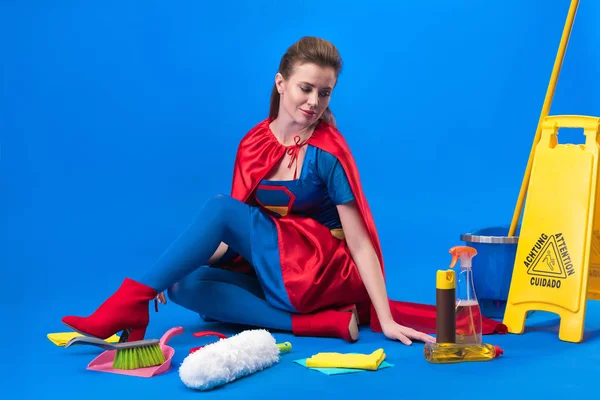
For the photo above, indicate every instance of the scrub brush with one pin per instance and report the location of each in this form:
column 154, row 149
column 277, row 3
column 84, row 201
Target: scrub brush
column 129, row 355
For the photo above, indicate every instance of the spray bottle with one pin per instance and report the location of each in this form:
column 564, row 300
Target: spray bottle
column 468, row 312
column 449, row 325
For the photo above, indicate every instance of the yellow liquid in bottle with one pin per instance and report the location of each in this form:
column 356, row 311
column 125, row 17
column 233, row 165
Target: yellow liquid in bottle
column 469, row 327
column 445, row 353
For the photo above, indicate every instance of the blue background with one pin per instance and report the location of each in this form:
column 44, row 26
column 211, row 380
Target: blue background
column 119, row 119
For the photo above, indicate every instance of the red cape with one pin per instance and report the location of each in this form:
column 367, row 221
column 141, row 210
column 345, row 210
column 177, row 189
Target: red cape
column 258, row 152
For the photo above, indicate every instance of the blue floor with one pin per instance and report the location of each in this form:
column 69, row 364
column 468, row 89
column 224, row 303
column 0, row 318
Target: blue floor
column 536, row 365
column 118, row 119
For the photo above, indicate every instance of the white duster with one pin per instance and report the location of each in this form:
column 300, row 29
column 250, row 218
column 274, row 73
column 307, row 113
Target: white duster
column 229, row 359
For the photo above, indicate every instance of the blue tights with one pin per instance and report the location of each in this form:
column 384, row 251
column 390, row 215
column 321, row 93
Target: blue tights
column 219, row 294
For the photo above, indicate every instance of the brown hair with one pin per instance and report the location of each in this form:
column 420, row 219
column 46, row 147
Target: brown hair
column 308, row 49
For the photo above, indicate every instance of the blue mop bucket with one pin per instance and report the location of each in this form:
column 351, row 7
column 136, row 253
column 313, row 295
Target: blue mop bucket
column 492, row 267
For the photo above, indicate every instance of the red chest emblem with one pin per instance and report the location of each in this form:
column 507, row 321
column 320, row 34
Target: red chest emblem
column 277, row 199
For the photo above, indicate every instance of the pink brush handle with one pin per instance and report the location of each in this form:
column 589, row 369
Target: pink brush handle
column 178, row 330
column 206, row 333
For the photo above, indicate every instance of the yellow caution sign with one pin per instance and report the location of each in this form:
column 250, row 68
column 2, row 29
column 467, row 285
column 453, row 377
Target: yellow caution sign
column 559, row 241
column 594, row 274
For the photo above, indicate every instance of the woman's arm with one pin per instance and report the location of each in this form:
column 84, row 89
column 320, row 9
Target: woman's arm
column 367, row 262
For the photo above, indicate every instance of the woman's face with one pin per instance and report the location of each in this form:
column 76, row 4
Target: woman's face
column 306, row 94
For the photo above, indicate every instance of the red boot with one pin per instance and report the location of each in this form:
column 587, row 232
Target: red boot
column 341, row 323
column 126, row 309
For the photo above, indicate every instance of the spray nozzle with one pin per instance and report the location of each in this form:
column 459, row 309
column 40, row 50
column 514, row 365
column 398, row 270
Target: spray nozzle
column 465, row 253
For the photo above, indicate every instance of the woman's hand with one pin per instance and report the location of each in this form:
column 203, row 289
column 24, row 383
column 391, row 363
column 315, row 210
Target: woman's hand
column 369, row 268
column 394, row 331
column 162, row 298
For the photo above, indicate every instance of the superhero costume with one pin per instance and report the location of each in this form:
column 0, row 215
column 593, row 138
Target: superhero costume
column 312, row 259
column 260, row 297
column 302, row 263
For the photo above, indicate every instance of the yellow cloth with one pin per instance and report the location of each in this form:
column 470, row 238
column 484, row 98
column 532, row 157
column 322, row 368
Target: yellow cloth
column 61, row 338
column 340, row 360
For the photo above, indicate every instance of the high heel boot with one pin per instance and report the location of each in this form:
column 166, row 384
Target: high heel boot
column 341, row 323
column 126, row 310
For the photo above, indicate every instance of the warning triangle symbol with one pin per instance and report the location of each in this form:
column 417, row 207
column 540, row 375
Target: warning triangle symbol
column 548, row 262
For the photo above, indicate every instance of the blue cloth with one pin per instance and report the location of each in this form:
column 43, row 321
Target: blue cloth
column 338, row 371
column 250, row 232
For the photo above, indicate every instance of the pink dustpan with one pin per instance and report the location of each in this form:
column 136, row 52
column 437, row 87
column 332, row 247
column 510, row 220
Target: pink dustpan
column 104, row 361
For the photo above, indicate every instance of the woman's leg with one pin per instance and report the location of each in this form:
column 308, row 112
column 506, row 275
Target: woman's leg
column 236, row 298
column 221, row 219
column 228, row 297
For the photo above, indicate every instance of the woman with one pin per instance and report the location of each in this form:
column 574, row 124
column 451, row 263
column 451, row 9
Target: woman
column 294, row 247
